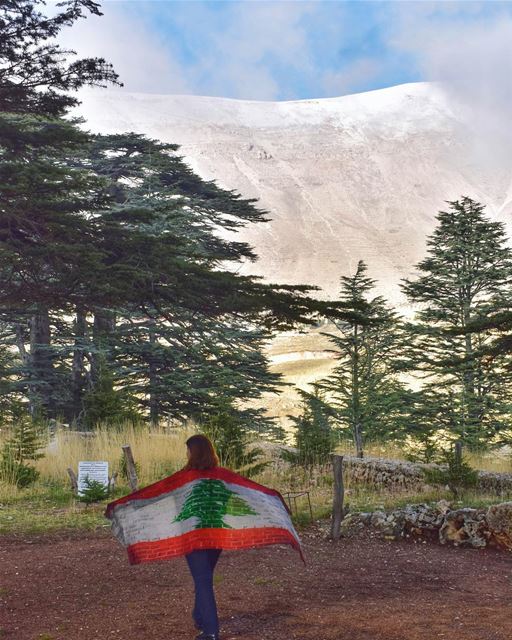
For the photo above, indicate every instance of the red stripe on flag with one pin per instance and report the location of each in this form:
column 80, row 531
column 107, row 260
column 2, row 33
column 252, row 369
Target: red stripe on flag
column 183, row 477
column 154, row 550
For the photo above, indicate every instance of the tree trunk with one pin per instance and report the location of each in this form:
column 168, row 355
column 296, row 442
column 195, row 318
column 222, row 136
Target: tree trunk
column 338, row 511
column 20, row 343
column 78, row 369
column 25, row 359
column 472, row 418
column 154, row 405
column 41, row 365
column 358, row 440
column 356, row 402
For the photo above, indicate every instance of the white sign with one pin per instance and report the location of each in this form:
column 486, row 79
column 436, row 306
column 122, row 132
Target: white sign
column 94, row 470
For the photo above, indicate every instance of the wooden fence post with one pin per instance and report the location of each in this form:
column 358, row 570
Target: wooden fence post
column 74, row 480
column 339, row 495
column 112, row 483
column 130, row 467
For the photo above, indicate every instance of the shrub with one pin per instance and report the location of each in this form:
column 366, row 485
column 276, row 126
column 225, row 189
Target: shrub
column 15, row 473
column 94, row 491
column 426, row 448
column 457, row 473
column 314, row 436
column 22, row 447
column 233, row 443
column 106, row 404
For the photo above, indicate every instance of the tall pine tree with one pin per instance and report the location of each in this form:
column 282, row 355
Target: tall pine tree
column 185, row 329
column 464, row 279
column 365, row 387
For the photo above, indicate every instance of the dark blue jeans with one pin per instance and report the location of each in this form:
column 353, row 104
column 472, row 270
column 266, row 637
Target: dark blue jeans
column 202, row 565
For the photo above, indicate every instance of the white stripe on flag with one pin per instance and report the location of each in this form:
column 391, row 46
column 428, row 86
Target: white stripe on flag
column 154, row 518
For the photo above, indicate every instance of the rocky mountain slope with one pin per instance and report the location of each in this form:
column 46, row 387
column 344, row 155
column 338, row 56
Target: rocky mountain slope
column 360, row 176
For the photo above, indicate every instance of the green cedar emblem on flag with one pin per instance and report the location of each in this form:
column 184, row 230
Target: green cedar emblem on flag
column 209, row 501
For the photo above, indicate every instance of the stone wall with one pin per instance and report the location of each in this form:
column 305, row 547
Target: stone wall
column 476, row 528
column 410, row 476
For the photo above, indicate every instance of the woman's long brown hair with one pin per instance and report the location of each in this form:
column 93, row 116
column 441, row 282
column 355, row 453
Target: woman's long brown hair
column 202, row 454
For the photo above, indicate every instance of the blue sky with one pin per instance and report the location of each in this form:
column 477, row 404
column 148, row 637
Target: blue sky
column 298, row 49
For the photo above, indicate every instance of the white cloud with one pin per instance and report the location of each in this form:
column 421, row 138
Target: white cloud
column 469, row 52
column 233, row 51
column 143, row 61
column 239, row 58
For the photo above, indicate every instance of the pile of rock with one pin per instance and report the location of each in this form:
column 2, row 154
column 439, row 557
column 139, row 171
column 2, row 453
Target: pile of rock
column 400, row 475
column 466, row 527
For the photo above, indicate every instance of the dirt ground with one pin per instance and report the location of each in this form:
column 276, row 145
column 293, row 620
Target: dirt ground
column 80, row 587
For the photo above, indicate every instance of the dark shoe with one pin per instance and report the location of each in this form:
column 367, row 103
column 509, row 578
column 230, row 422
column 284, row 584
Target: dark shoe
column 207, row 636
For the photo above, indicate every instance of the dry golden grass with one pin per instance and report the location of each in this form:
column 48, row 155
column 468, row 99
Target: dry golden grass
column 497, row 461
column 157, row 452
column 50, row 505
column 160, row 452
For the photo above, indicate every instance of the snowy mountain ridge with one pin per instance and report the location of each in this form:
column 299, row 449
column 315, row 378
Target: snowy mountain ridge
column 356, row 177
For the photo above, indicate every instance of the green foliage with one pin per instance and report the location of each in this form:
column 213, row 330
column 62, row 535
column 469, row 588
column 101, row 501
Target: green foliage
column 464, row 279
column 46, row 249
column 117, row 287
column 425, row 448
column 35, row 75
column 94, row 491
column 16, row 473
column 365, row 388
column 191, row 331
column 123, row 469
column 109, row 250
column 457, row 474
column 429, row 422
column 21, row 448
column 107, row 405
column 314, row 437
column 25, row 442
column 232, row 441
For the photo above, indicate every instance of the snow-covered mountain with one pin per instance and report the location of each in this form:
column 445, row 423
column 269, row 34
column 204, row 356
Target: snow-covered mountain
column 360, row 176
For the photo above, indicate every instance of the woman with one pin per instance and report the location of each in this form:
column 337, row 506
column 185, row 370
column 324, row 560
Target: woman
column 201, row 456
column 196, row 512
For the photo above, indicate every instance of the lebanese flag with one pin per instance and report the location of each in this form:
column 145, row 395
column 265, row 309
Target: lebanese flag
column 214, row 509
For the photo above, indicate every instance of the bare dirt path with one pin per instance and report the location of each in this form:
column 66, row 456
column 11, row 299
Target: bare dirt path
column 80, row 587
